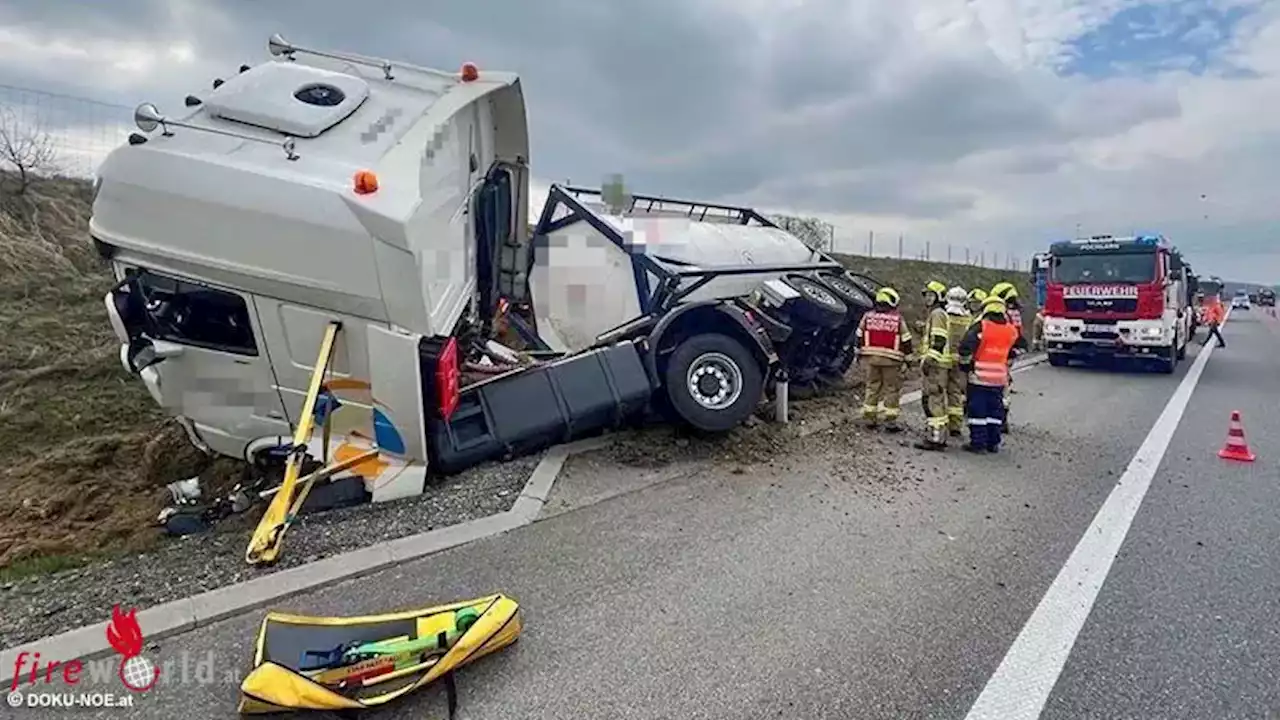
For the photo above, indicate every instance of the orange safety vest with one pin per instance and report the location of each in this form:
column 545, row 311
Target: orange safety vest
column 882, row 334
column 991, row 362
column 1213, row 311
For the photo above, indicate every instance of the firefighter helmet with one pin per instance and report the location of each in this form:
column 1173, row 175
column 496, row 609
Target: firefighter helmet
column 977, row 295
column 1004, row 291
column 887, row 296
column 957, row 296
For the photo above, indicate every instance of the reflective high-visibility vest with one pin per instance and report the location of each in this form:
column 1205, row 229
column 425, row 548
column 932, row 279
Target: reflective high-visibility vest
column 1213, row 311
column 882, row 334
column 991, row 361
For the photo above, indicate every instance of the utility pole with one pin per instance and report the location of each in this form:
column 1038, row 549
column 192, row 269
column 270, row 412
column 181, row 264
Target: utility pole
column 928, row 250
column 948, row 253
column 871, row 241
column 899, row 246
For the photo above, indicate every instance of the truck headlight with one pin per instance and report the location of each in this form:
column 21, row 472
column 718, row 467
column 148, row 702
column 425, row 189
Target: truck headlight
column 1151, row 333
column 1056, row 331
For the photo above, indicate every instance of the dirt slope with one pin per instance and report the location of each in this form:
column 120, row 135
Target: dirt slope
column 87, row 453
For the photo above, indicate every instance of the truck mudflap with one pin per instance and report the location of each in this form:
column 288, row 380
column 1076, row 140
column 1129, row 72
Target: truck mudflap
column 528, row 410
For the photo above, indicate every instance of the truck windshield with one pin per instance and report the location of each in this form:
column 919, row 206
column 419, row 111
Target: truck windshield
column 1110, row 268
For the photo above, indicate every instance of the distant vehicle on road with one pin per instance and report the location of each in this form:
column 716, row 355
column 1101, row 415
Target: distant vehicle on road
column 1267, row 297
column 1241, row 300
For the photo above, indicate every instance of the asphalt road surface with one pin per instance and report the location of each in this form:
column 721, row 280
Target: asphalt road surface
column 963, row 586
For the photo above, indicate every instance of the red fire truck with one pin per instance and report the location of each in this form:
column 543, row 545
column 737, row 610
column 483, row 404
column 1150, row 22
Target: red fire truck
column 1118, row 297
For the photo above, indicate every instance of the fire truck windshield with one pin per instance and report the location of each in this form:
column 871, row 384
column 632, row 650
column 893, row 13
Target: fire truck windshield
column 1105, row 268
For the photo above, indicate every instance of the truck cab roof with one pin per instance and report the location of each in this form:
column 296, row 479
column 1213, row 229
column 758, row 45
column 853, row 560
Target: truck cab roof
column 255, row 184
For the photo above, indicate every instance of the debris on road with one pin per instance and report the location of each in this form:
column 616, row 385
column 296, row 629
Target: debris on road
column 40, row 605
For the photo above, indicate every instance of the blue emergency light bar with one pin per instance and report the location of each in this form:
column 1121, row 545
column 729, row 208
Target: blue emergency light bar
column 1111, row 242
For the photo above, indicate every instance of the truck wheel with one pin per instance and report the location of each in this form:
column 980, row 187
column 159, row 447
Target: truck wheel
column 1169, row 362
column 1057, row 359
column 847, row 290
column 866, row 282
column 817, row 304
column 713, row 382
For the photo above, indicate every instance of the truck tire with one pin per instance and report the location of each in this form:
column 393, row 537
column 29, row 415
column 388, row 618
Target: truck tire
column 817, row 305
column 866, row 282
column 713, row 382
column 847, row 290
column 1057, row 359
column 1169, row 362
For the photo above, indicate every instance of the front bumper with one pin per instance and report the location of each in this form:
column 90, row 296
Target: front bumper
column 1100, row 349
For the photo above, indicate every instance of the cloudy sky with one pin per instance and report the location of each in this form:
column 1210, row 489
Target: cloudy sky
column 994, row 124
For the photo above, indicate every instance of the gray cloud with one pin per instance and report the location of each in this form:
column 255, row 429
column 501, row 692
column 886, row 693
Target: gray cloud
column 806, row 109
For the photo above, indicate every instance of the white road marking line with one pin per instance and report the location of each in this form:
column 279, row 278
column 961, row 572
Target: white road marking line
column 1020, row 686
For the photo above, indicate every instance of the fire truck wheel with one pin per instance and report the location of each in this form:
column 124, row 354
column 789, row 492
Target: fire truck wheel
column 1169, row 362
column 1057, row 359
column 713, row 382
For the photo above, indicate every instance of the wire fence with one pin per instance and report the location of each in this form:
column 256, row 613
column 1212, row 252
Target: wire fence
column 902, row 247
column 825, row 236
column 81, row 131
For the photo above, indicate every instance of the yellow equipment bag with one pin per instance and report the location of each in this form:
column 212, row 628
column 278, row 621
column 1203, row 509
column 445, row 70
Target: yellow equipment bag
column 349, row 664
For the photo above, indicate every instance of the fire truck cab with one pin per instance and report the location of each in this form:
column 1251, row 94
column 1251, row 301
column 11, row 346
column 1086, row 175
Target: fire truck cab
column 1118, row 297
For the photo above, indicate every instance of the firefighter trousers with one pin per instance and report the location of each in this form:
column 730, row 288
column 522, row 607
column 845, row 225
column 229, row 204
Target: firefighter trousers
column 882, row 394
column 984, row 406
column 957, row 379
column 934, row 397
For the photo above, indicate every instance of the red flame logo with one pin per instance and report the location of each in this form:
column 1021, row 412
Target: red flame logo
column 123, row 632
column 136, row 672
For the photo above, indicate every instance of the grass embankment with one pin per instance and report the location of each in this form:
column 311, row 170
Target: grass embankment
column 87, row 453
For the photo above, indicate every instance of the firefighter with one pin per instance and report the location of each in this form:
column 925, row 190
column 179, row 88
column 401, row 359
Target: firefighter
column 883, row 342
column 1037, row 330
column 984, row 354
column 944, row 383
column 1007, row 293
column 934, row 364
column 1214, row 314
column 958, row 321
column 977, row 296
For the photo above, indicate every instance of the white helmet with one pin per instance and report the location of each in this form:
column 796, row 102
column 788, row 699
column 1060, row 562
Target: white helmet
column 958, row 295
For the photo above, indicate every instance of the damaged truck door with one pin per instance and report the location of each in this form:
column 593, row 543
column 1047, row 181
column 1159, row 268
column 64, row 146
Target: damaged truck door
column 196, row 348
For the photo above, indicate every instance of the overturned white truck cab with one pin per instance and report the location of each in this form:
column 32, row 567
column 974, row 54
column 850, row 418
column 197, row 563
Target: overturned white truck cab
column 320, row 188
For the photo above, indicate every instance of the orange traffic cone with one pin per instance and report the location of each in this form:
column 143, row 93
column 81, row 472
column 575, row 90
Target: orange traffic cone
column 1236, row 447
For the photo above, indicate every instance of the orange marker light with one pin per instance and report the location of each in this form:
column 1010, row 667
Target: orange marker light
column 365, row 182
column 470, row 72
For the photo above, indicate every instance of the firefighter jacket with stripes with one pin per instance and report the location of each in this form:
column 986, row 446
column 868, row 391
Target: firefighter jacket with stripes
column 937, row 333
column 883, row 334
column 957, row 325
column 987, row 348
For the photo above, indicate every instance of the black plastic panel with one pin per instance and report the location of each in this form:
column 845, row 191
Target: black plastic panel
column 528, row 411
